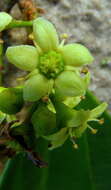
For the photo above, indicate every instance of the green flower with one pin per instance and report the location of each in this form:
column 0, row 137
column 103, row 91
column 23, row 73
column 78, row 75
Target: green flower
column 5, row 19
column 73, row 123
column 53, row 66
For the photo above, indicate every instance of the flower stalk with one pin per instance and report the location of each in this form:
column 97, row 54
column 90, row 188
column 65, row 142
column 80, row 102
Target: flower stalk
column 19, row 23
column 1, row 60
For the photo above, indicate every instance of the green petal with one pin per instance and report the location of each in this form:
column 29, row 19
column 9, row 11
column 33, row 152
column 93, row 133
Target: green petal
column 44, row 121
column 45, row 34
column 77, row 132
column 24, row 57
column 58, row 139
column 5, row 19
column 11, row 100
column 36, row 87
column 70, row 118
column 72, row 101
column 96, row 112
column 76, row 54
column 69, row 84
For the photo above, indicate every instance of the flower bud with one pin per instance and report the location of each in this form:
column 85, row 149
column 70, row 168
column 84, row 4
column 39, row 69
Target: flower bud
column 5, row 19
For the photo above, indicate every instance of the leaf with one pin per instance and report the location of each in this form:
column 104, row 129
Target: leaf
column 100, row 145
column 21, row 173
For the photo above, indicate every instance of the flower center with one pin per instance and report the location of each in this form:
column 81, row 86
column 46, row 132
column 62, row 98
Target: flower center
column 51, row 64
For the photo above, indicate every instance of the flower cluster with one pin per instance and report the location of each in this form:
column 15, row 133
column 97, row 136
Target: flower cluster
column 55, row 81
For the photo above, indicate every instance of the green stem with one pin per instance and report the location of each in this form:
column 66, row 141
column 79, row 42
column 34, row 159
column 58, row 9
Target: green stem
column 19, row 23
column 1, row 60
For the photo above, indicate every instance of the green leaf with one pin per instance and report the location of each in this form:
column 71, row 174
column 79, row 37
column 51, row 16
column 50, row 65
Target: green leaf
column 100, row 145
column 21, row 173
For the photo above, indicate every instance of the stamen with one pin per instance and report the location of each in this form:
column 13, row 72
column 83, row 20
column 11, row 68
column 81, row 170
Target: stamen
column 82, row 97
column 94, row 131
column 75, row 145
column 64, row 36
column 84, row 70
column 31, row 37
column 51, row 64
column 101, row 121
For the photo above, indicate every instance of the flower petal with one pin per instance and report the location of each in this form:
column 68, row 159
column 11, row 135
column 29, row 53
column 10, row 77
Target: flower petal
column 57, row 139
column 69, row 83
column 36, row 87
column 72, row 101
column 96, row 112
column 24, row 57
column 77, row 132
column 70, row 118
column 5, row 19
column 45, row 34
column 76, row 54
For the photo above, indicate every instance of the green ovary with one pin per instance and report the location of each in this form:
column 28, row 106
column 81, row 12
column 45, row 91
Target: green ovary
column 51, row 64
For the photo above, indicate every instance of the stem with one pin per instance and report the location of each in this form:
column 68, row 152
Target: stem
column 19, row 23
column 1, row 60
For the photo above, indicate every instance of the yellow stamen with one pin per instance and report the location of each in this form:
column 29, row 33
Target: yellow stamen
column 101, row 121
column 94, row 131
column 1, row 41
column 75, row 146
column 45, row 99
column 84, row 70
column 31, row 37
column 21, row 79
column 82, row 97
column 64, row 36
